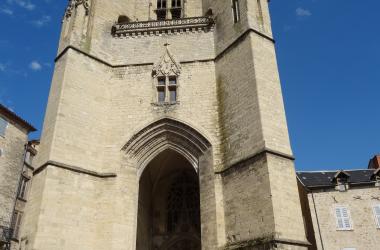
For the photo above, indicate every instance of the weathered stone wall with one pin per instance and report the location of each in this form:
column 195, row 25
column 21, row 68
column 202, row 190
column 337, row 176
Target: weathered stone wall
column 11, row 162
column 98, row 110
column 360, row 202
column 104, row 94
column 252, row 119
column 247, row 193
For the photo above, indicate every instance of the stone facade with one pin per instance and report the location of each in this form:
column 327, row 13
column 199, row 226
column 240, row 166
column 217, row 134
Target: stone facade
column 13, row 140
column 203, row 88
column 359, row 196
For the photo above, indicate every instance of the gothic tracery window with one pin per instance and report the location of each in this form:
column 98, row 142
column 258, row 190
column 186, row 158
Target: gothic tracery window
column 183, row 205
column 166, row 77
column 167, row 89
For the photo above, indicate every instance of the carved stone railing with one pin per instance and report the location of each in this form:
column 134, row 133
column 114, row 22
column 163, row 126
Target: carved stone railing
column 162, row 26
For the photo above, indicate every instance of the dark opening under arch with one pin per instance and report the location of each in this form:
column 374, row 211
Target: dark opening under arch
column 169, row 205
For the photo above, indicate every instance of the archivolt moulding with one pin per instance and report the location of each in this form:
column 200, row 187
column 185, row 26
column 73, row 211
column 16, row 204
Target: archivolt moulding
column 165, row 134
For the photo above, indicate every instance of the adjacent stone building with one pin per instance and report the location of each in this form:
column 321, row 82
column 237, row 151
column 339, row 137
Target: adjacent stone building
column 13, row 147
column 165, row 129
column 342, row 208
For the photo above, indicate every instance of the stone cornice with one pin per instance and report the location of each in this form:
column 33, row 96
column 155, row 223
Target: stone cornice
column 73, row 169
column 252, row 158
column 162, row 26
column 240, row 38
column 216, row 58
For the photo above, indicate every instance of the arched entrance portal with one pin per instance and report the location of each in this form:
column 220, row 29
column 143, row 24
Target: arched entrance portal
column 169, row 205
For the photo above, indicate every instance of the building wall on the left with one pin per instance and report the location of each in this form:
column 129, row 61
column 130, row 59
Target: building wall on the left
column 11, row 162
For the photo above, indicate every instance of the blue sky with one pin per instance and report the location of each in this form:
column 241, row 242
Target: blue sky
column 328, row 53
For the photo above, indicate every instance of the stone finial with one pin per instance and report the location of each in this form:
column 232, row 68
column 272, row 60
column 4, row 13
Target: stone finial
column 73, row 4
column 167, row 65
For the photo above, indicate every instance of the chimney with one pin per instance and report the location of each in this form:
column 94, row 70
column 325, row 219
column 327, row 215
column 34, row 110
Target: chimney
column 374, row 163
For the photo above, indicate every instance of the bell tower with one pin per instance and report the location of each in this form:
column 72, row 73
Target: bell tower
column 129, row 117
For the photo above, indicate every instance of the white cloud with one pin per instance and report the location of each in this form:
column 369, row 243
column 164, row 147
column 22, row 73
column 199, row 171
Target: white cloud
column 2, row 67
column 26, row 4
column 303, row 12
column 6, row 11
column 35, row 65
column 42, row 21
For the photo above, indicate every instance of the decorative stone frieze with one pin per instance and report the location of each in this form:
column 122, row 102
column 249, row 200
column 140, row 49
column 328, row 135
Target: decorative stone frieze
column 163, row 26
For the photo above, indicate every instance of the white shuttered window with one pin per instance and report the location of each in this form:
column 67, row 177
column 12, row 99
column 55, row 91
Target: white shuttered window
column 376, row 212
column 343, row 220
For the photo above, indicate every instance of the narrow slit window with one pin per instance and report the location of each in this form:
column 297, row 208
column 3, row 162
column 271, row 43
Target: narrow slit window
column 173, row 88
column 173, row 94
column 161, row 94
column 161, row 89
column 236, row 10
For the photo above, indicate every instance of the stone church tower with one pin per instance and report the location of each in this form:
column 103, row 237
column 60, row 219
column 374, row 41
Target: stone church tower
column 165, row 129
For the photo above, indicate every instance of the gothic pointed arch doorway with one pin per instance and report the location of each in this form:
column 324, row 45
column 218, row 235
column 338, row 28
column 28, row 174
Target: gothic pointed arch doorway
column 169, row 205
column 175, row 187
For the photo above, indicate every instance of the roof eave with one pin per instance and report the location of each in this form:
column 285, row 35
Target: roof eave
column 13, row 116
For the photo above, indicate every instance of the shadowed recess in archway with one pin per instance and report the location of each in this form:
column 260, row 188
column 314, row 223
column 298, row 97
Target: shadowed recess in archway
column 166, row 134
column 169, row 205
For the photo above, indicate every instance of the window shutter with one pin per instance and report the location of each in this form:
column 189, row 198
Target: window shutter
column 376, row 211
column 343, row 220
column 339, row 218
